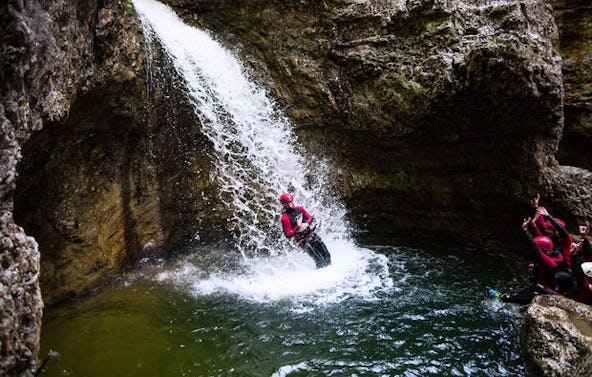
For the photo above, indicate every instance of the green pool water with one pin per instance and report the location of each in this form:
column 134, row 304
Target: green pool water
column 426, row 315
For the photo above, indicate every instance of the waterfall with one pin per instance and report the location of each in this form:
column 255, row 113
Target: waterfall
column 257, row 156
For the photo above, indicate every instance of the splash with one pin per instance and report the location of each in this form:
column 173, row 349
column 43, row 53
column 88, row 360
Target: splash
column 291, row 277
column 257, row 158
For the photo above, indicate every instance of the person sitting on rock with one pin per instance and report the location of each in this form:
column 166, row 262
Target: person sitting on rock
column 557, row 233
column 542, row 225
column 555, row 274
column 584, row 294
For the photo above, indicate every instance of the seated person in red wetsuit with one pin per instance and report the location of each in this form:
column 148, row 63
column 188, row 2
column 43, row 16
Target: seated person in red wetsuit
column 554, row 272
column 585, row 285
column 296, row 223
column 543, row 224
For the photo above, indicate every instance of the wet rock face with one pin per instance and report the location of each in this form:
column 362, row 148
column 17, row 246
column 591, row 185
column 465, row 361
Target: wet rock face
column 444, row 116
column 557, row 337
column 20, row 299
column 49, row 55
column 574, row 20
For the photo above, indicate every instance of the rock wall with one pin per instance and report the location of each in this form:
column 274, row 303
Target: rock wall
column 52, row 55
column 102, row 163
column 443, row 117
column 574, row 20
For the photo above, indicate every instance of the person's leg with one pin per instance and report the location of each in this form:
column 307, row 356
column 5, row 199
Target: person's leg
column 314, row 254
column 321, row 250
column 523, row 296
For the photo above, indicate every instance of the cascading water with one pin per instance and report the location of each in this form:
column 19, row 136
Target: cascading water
column 257, row 158
column 256, row 153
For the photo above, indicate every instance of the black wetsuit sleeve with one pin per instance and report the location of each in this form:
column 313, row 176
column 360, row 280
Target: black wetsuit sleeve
column 587, row 250
column 558, row 226
column 533, row 245
column 577, row 268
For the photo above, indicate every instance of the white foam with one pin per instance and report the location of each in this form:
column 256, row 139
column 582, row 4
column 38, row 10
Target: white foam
column 257, row 158
column 355, row 272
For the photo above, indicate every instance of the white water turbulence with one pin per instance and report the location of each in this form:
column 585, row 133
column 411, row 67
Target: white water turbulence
column 257, row 159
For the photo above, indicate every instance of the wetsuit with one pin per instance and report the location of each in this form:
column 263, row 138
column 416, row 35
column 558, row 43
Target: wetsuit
column 307, row 239
column 584, row 293
column 290, row 222
column 555, row 273
column 564, row 241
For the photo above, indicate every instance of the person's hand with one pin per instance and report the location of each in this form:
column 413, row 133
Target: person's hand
column 525, row 223
column 303, row 226
column 299, row 220
column 542, row 211
column 575, row 247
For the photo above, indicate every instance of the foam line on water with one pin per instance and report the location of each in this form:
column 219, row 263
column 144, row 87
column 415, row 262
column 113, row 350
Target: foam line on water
column 355, row 272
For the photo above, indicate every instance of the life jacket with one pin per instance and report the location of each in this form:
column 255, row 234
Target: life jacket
column 293, row 214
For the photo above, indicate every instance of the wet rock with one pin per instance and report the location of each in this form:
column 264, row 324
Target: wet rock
column 20, row 299
column 557, row 337
column 574, row 21
column 49, row 56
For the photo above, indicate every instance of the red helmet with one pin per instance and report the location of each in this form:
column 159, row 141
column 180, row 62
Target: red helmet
column 286, row 198
column 544, row 243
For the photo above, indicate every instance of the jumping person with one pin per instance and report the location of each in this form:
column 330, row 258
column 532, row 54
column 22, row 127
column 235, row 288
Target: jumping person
column 296, row 223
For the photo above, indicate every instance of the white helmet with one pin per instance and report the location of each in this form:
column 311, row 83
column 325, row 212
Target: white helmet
column 587, row 268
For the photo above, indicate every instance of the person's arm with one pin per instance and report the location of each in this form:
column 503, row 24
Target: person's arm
column 533, row 245
column 533, row 226
column 306, row 217
column 562, row 231
column 289, row 231
column 566, row 240
column 587, row 250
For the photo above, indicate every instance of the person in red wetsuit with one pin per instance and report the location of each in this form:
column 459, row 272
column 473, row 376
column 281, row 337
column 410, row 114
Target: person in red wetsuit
column 582, row 265
column 296, row 223
column 555, row 273
column 585, row 285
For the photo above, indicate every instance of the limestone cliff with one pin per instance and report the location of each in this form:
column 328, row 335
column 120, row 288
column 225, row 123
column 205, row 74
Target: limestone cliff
column 51, row 53
column 574, row 20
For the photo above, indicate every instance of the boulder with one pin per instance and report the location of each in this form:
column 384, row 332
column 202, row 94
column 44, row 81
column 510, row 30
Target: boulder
column 556, row 336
